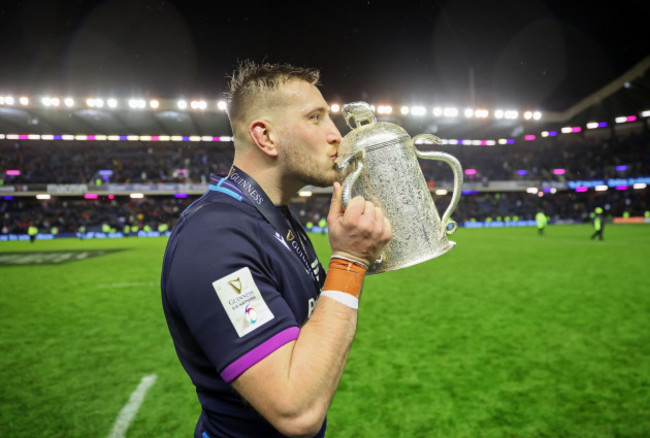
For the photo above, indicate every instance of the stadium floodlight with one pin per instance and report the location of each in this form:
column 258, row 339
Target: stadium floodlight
column 136, row 195
column 9, row 100
column 566, row 130
column 384, row 109
column 24, row 100
column 112, row 103
column 498, row 114
column 532, row 115
column 181, row 104
column 481, row 113
column 478, row 142
column 450, row 112
column 133, row 137
column 404, row 110
column 601, row 188
column 532, row 190
column 645, row 113
column 639, row 186
column 43, row 196
column 164, row 138
column 199, row 104
column 418, row 110
column 195, row 138
column 69, row 102
column 135, row 103
column 222, row 105
column 437, row 111
column 154, row 104
column 50, row 101
column 592, row 125
column 304, row 193
column 511, row 114
column 469, row 113
column 441, row 192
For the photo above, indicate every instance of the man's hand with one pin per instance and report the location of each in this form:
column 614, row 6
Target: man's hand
column 359, row 232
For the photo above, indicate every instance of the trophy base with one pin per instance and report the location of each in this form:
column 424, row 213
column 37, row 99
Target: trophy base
column 394, row 265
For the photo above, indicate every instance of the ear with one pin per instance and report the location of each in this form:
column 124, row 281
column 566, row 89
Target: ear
column 260, row 132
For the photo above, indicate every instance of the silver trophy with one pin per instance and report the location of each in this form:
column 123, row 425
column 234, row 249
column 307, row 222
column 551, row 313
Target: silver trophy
column 378, row 160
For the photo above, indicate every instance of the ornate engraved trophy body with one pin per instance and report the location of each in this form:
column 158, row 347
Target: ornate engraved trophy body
column 378, row 160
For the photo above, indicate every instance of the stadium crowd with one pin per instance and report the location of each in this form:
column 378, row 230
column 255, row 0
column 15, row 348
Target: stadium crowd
column 581, row 157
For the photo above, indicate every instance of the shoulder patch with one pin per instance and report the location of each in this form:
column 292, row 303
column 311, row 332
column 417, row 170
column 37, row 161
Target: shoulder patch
column 243, row 301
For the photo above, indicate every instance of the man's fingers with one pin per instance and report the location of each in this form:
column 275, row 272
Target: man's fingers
column 336, row 205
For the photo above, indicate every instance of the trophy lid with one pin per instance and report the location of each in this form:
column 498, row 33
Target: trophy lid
column 367, row 133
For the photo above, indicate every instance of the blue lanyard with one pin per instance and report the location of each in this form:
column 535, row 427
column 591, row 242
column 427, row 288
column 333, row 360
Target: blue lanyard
column 291, row 231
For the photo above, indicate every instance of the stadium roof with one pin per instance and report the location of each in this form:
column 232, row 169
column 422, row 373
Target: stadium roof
column 627, row 95
column 562, row 58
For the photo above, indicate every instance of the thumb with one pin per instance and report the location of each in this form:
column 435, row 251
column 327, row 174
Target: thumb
column 336, row 206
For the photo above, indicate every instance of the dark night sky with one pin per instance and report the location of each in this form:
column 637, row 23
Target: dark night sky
column 527, row 52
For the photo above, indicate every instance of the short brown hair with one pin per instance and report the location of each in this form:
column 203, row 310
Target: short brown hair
column 250, row 81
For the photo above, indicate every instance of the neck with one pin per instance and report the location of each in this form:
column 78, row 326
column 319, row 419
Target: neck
column 269, row 179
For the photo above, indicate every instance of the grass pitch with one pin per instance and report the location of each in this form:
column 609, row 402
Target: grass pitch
column 508, row 335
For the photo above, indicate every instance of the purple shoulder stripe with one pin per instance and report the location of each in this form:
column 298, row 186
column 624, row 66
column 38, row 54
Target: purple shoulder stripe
column 232, row 371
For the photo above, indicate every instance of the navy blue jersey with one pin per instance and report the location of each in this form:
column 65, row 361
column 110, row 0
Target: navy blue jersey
column 232, row 292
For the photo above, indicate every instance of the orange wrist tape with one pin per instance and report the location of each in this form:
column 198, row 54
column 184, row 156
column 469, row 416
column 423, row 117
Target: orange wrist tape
column 345, row 276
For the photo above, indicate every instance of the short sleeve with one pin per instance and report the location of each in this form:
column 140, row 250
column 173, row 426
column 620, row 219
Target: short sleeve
column 221, row 286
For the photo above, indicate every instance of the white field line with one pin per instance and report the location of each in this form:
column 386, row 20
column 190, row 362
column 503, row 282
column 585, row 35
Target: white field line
column 131, row 408
column 132, row 284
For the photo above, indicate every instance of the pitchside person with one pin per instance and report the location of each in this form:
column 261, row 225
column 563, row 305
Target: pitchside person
column 259, row 328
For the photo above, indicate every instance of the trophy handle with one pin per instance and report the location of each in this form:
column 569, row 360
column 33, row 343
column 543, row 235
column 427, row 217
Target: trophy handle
column 458, row 176
column 348, row 183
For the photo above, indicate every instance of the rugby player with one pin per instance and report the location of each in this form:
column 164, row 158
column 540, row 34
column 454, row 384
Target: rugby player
column 262, row 331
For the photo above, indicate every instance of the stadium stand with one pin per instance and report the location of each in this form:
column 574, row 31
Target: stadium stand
column 565, row 175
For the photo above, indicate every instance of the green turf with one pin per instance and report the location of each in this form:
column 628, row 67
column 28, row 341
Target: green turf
column 509, row 335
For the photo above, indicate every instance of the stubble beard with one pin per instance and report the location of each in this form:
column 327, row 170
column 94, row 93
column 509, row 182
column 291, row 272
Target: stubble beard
column 302, row 166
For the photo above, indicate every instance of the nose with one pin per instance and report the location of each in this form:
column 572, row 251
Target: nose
column 333, row 134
